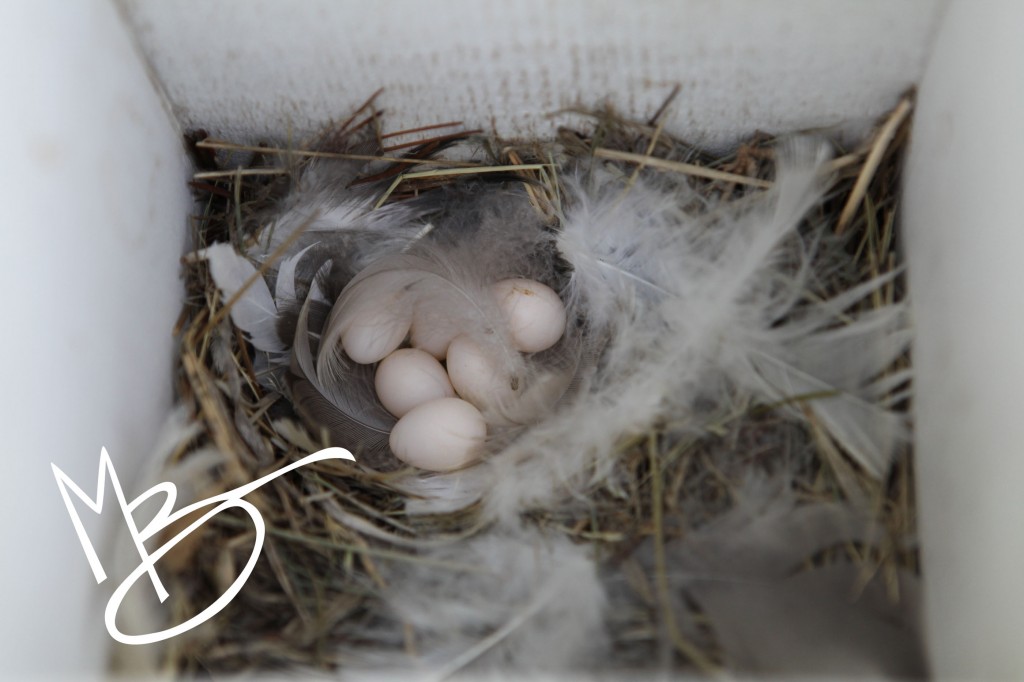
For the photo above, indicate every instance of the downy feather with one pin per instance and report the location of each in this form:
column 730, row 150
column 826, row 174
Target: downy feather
column 769, row 611
column 491, row 604
column 690, row 305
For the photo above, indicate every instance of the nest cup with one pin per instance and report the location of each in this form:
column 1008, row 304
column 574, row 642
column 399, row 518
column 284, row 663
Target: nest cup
column 125, row 79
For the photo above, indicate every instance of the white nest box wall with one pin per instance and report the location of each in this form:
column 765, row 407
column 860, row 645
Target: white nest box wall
column 965, row 239
column 95, row 203
column 248, row 68
column 94, row 182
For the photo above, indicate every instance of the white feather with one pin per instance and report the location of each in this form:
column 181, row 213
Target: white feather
column 808, row 625
column 284, row 286
column 769, row 612
column 691, row 305
column 514, row 601
column 322, row 210
column 255, row 312
column 617, row 245
column 839, row 366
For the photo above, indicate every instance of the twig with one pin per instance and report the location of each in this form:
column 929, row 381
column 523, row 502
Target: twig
column 365, row 105
column 238, row 172
column 212, row 407
column 541, row 203
column 844, row 473
column 440, row 138
column 647, row 153
column 210, row 143
column 679, row 167
column 323, row 543
column 664, row 107
column 421, row 129
column 867, row 172
column 440, row 173
column 683, row 645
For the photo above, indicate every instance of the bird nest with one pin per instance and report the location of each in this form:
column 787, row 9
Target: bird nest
column 723, row 526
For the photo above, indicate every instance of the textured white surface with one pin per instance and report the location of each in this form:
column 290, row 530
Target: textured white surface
column 965, row 239
column 251, row 68
column 94, row 196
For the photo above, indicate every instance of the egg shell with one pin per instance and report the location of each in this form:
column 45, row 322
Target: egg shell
column 440, row 435
column 432, row 333
column 373, row 333
column 410, row 377
column 535, row 313
column 476, row 374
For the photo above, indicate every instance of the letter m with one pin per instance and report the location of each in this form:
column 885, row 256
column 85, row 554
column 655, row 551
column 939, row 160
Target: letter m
column 65, row 483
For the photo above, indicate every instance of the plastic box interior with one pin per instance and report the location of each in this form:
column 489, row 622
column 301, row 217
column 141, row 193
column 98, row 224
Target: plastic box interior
column 98, row 94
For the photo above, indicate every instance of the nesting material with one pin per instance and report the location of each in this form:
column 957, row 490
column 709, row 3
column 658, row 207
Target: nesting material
column 674, row 433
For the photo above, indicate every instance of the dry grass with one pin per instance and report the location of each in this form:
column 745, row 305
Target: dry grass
column 333, row 525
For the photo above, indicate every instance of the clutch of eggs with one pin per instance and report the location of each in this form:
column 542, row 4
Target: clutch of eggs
column 440, row 408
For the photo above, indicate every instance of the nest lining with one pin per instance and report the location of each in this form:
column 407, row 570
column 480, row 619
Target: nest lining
column 338, row 534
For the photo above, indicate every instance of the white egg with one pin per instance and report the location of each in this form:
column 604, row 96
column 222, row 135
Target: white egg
column 439, row 435
column 535, row 313
column 410, row 377
column 373, row 333
column 479, row 375
column 431, row 332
